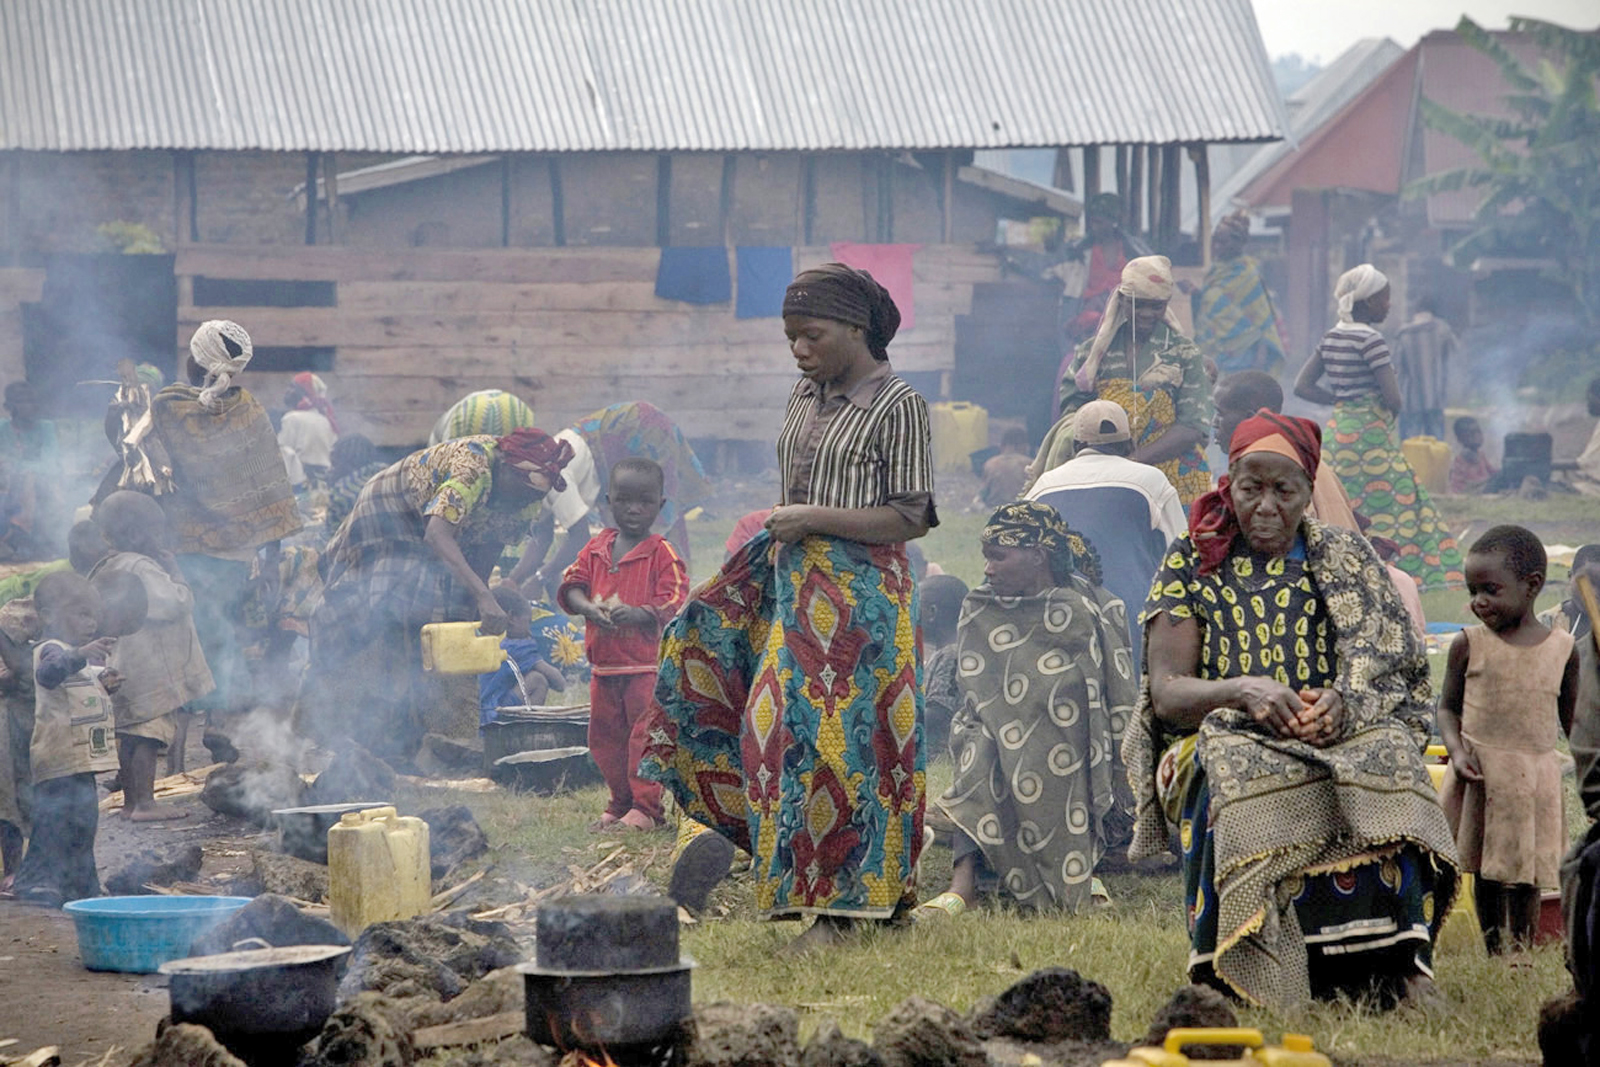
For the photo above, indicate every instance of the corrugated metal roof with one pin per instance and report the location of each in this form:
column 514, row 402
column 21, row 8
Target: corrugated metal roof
column 473, row 76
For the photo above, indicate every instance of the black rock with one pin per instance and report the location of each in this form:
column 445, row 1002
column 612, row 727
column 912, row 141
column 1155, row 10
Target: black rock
column 1050, row 1005
column 445, row 757
column 922, row 1033
column 1195, row 1006
column 253, row 790
column 355, row 774
column 152, row 866
column 831, row 1048
column 273, row 919
column 744, row 1035
column 440, row 954
column 454, row 837
column 368, row 1031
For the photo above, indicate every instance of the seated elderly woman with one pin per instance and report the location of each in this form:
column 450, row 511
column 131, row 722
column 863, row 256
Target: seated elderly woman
column 1285, row 708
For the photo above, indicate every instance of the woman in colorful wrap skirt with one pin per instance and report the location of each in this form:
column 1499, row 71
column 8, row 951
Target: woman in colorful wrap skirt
column 1280, row 731
column 789, row 699
column 1365, row 393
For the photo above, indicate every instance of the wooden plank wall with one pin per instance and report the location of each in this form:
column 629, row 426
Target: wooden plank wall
column 570, row 330
column 18, row 286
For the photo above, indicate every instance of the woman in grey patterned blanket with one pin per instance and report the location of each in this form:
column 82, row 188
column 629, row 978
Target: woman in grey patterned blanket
column 1046, row 682
column 1280, row 730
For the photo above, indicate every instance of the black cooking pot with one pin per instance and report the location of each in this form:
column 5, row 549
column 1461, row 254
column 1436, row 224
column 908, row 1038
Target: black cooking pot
column 303, row 832
column 258, row 999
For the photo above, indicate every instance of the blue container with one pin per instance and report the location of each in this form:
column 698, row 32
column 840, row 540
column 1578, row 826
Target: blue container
column 139, row 934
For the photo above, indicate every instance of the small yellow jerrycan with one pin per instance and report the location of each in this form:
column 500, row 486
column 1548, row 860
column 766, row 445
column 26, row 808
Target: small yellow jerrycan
column 958, row 430
column 458, row 648
column 1296, row 1050
column 378, row 869
column 1429, row 459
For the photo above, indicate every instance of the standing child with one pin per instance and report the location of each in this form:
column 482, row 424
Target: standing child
column 941, row 696
column 1005, row 474
column 161, row 665
column 626, row 583
column 72, row 740
column 499, row 688
column 1509, row 685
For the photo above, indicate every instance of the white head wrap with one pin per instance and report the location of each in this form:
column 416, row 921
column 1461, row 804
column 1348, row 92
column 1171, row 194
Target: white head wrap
column 210, row 348
column 1355, row 285
column 1148, row 279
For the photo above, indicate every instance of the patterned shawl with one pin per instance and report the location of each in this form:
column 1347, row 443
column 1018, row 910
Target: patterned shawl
column 1236, row 317
column 1283, row 808
column 1047, row 687
column 232, row 492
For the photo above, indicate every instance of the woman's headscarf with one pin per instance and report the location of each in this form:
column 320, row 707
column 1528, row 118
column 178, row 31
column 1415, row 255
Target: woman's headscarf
column 1213, row 526
column 222, row 349
column 487, row 411
column 1030, row 524
column 844, row 294
column 536, row 452
column 1148, row 278
column 1355, row 285
column 149, row 375
column 314, row 396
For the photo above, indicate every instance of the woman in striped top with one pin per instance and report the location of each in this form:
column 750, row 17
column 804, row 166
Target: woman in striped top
column 790, row 688
column 1364, row 389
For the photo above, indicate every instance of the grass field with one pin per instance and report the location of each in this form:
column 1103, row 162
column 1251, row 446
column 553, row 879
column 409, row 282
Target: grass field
column 1136, row 948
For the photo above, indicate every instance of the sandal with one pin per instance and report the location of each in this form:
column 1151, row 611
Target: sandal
column 1099, row 895
column 703, row 863
column 945, row 905
column 639, row 821
column 603, row 823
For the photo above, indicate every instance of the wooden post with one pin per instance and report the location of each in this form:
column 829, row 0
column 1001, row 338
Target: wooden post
column 725, row 198
column 1134, row 210
column 311, row 198
column 1171, row 186
column 663, row 200
column 1152, row 195
column 808, row 198
column 1091, row 171
column 558, row 203
column 948, row 231
column 1202, row 184
column 330, row 184
column 505, row 201
column 1122, row 179
column 1062, row 177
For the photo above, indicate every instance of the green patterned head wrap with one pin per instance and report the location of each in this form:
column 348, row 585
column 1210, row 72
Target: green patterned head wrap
column 1030, row 524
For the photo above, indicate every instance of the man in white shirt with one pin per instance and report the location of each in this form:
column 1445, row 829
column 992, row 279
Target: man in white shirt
column 1128, row 511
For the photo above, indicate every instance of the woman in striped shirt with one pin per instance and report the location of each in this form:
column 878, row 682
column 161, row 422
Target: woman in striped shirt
column 790, row 687
column 1364, row 390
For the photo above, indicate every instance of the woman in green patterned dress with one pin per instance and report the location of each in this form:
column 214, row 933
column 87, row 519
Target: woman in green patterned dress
column 1280, row 730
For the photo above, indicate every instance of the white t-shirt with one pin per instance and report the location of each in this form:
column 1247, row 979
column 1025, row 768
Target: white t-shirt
column 571, row 504
column 309, row 435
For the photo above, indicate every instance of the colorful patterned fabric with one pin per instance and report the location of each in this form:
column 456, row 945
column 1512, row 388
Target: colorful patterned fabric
column 1381, row 485
column 232, row 491
column 376, row 570
column 494, row 412
column 1047, row 685
column 788, row 718
column 1236, row 323
column 1173, row 390
column 1278, row 811
column 640, row 429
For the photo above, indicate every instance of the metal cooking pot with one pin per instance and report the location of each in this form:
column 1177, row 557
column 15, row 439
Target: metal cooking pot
column 569, row 1009
column 257, row 993
column 303, row 832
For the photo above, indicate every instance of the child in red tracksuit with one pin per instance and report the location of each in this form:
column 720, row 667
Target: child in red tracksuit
column 627, row 583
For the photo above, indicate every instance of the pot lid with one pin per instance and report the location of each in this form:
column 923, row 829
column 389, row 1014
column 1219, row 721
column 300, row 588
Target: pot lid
column 543, row 755
column 250, row 959
column 684, row 963
column 334, row 809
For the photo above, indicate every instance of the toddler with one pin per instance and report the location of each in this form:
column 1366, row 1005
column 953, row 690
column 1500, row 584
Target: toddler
column 1509, row 685
column 499, row 689
column 1004, row 475
column 1471, row 470
column 941, row 610
column 161, row 665
column 626, row 583
column 72, row 740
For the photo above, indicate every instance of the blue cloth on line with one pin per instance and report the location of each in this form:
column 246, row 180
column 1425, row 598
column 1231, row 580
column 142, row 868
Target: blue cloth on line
column 764, row 275
column 694, row 275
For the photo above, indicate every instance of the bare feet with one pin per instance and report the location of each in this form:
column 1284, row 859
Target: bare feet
column 825, row 932
column 603, row 823
column 155, row 813
column 638, row 820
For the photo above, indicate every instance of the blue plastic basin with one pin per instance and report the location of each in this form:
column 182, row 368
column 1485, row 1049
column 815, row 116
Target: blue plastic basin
column 138, row 934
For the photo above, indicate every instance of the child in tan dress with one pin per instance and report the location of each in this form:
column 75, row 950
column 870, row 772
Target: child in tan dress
column 1510, row 684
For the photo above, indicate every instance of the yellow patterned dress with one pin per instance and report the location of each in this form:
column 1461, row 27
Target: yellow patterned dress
column 1173, row 389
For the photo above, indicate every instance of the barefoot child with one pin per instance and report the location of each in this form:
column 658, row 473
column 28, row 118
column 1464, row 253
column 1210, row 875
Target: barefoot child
column 1471, row 470
column 1509, row 686
column 941, row 696
column 161, row 665
column 72, row 740
column 627, row 583
column 499, row 689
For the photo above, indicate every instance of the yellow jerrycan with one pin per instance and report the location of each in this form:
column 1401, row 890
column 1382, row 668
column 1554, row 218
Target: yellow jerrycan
column 458, row 648
column 959, row 429
column 378, row 869
column 1296, row 1050
column 1429, row 459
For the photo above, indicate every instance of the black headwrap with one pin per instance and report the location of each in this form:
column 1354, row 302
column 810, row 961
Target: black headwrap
column 844, row 294
column 1030, row 524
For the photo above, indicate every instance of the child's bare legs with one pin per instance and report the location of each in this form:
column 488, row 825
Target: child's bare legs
column 964, row 878
column 138, row 758
column 1490, row 898
column 1522, row 911
column 10, row 851
column 180, row 740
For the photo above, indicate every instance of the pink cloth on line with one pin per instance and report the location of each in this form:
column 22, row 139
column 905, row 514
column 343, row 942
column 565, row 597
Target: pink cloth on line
column 890, row 265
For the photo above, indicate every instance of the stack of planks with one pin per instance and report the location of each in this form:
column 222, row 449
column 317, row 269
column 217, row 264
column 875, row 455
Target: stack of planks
column 570, row 330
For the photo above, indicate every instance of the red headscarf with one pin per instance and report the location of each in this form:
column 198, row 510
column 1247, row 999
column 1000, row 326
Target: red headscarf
column 534, row 451
column 314, row 396
column 1212, row 523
